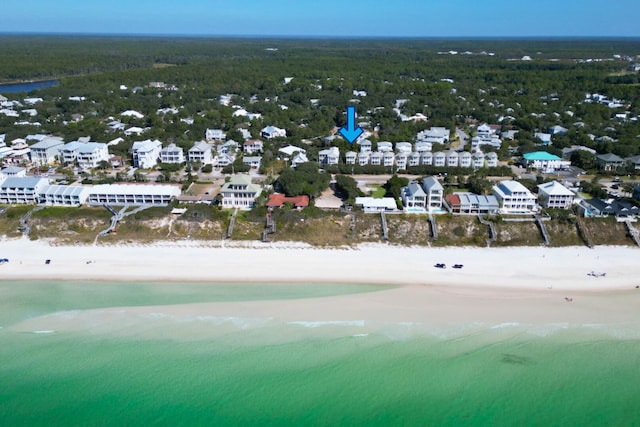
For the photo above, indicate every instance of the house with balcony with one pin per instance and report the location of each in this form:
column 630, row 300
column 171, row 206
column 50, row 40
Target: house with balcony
column 376, row 159
column 146, row 153
column 413, row 159
column 515, row 198
column 439, row 159
column 63, row 195
column 452, row 158
column 472, row 204
column 404, row 147
column 45, row 152
column 491, row 160
column 609, row 162
column 215, row 135
column 423, row 146
column 172, row 154
column 464, row 159
column 23, row 190
column 350, row 157
column 240, row 192
column 434, row 193
column 252, row 161
column 477, row 159
column 91, row 154
column 426, row 158
column 414, row 199
column 545, row 162
column 365, row 145
column 555, row 195
column 330, row 156
column 363, row 158
column 401, row 161
column 270, row 132
column 252, row 146
column 384, row 146
column 225, row 159
column 200, row 152
column 388, row 159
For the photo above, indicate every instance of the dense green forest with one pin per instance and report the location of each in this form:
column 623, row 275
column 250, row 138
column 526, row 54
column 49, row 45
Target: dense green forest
column 486, row 80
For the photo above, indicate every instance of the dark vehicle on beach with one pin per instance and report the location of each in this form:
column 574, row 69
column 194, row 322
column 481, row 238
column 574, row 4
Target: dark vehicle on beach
column 458, row 266
column 440, row 265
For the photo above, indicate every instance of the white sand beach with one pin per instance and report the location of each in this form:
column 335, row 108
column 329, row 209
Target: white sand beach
column 570, row 268
column 513, row 286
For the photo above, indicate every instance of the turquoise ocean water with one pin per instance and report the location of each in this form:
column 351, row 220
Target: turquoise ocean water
column 269, row 373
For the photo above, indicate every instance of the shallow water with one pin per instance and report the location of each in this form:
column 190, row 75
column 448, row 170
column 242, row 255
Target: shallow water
column 264, row 372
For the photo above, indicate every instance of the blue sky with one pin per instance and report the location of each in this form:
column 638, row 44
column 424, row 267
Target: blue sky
column 382, row 18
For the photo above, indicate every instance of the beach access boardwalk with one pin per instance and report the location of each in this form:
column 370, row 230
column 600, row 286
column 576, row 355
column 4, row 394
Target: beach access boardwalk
column 117, row 217
column 582, row 231
column 270, row 228
column 231, row 224
column 385, row 228
column 543, row 229
column 633, row 232
column 493, row 236
column 434, row 227
column 24, row 221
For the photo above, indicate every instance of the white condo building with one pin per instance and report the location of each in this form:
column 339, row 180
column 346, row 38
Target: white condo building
column 172, row 154
column 514, row 198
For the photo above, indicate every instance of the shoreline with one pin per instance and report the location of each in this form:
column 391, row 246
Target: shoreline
column 523, row 268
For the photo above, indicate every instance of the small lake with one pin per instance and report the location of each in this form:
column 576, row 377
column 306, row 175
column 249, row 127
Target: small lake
column 27, row 86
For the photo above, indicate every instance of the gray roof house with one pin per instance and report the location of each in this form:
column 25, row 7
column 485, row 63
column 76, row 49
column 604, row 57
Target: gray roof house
column 434, row 193
column 609, row 161
column 414, row 199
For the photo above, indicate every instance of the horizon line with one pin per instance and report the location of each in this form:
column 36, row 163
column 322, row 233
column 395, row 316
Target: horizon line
column 320, row 36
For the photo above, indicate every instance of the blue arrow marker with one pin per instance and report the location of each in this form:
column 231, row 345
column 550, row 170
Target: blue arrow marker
column 351, row 132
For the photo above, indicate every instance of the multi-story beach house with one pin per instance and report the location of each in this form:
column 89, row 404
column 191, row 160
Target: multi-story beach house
column 252, row 146
column 350, row 157
column 146, row 153
column 90, row 154
column 63, row 195
column 414, row 199
column 330, row 156
column 240, row 192
column 172, row 154
column 545, row 162
column 555, row 195
column 200, row 152
column 45, row 151
column 21, row 190
column 132, row 194
column 515, row 198
column 472, row 204
column 434, row 193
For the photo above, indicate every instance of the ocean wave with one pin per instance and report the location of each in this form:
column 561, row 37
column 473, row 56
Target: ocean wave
column 317, row 324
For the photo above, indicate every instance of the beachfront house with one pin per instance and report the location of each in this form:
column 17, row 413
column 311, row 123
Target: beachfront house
column 514, row 198
column 132, row 194
column 23, row 190
column 240, row 192
column 472, row 204
column 434, row 193
column 555, row 195
column 63, row 195
column 373, row 205
column 146, row 153
column 414, row 199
